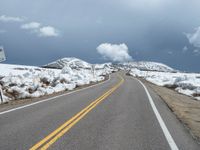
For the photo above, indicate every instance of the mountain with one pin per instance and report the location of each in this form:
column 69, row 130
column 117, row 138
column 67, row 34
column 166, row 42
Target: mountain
column 71, row 62
column 147, row 66
column 103, row 66
column 76, row 63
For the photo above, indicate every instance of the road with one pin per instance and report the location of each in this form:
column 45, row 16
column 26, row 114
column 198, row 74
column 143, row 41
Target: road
column 114, row 115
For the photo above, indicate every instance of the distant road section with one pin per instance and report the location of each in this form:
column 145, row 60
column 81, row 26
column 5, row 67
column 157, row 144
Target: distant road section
column 114, row 115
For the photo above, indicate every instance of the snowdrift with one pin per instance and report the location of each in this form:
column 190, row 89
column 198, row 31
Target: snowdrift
column 19, row 82
column 185, row 83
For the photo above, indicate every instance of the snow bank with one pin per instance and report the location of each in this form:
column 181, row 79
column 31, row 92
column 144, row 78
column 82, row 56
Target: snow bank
column 19, row 82
column 185, row 83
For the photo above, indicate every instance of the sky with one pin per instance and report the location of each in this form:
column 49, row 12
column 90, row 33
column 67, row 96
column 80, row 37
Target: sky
column 35, row 32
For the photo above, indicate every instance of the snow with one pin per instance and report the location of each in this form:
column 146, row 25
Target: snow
column 20, row 82
column 8, row 69
column 147, row 65
column 75, row 63
column 185, row 83
column 69, row 61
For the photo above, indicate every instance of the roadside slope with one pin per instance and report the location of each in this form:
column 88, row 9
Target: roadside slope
column 184, row 107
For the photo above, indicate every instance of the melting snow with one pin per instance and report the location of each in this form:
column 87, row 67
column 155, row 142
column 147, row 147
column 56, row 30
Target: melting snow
column 20, row 81
column 185, row 83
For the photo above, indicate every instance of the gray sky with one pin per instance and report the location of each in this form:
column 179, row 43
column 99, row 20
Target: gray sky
column 36, row 32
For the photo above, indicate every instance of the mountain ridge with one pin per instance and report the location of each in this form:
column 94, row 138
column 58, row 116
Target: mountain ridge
column 76, row 63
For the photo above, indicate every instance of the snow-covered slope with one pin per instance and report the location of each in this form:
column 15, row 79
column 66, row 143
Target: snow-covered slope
column 19, row 81
column 104, row 65
column 71, row 62
column 9, row 69
column 76, row 63
column 105, row 68
column 185, row 83
column 148, row 66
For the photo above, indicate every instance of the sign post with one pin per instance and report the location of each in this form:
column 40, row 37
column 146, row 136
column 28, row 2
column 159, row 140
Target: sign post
column 93, row 70
column 2, row 58
column 1, row 94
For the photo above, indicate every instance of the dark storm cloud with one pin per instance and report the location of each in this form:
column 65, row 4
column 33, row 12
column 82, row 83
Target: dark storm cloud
column 152, row 29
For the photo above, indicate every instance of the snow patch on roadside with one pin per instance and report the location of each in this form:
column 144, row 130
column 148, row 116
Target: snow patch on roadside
column 20, row 82
column 185, row 83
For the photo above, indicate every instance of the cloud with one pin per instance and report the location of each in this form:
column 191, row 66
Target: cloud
column 194, row 38
column 114, row 52
column 185, row 49
column 170, row 52
column 196, row 52
column 31, row 25
column 4, row 18
column 42, row 31
column 48, row 31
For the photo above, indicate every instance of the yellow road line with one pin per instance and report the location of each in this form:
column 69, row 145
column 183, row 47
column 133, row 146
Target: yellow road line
column 55, row 135
column 60, row 134
column 64, row 125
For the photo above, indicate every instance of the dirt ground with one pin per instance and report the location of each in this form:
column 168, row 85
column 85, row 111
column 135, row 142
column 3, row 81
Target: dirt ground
column 184, row 107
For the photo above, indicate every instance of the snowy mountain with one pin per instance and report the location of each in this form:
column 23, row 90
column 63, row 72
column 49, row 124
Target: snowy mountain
column 71, row 62
column 108, row 66
column 147, row 66
column 104, row 65
column 76, row 63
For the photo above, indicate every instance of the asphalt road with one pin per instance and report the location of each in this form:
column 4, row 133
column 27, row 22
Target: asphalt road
column 121, row 119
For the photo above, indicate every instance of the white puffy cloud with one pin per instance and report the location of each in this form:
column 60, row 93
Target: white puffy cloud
column 35, row 27
column 4, row 18
column 194, row 38
column 42, row 31
column 114, row 52
column 48, row 31
column 31, row 25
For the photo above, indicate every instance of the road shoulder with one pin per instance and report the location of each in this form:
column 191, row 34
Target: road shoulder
column 186, row 109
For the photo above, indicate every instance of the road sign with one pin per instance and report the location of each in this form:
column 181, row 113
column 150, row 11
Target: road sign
column 2, row 55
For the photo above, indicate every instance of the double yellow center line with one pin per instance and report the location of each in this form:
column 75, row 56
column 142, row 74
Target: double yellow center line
column 60, row 131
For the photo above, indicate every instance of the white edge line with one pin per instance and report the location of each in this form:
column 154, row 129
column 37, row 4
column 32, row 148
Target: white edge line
column 48, row 99
column 166, row 132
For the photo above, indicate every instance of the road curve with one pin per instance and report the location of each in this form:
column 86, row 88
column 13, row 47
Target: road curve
column 114, row 115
